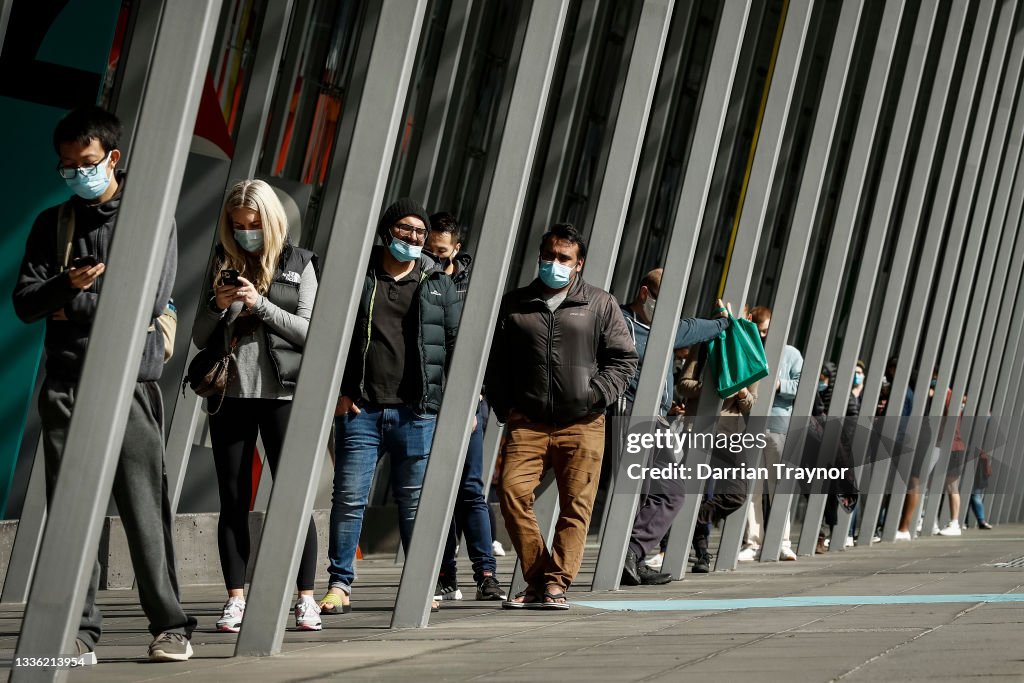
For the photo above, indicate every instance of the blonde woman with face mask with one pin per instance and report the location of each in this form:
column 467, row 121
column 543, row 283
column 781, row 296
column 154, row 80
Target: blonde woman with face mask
column 262, row 291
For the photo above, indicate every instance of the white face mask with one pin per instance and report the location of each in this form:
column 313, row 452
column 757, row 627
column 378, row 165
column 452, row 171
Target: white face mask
column 649, row 305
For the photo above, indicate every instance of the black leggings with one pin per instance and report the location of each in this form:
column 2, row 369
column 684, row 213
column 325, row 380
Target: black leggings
column 233, row 431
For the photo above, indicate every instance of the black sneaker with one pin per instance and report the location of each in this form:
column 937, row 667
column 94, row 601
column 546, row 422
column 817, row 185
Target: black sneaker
column 630, row 573
column 650, row 577
column 703, row 563
column 170, row 647
column 447, row 589
column 490, row 589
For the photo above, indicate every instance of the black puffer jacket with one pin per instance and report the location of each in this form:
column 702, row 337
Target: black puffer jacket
column 43, row 288
column 438, row 309
column 557, row 367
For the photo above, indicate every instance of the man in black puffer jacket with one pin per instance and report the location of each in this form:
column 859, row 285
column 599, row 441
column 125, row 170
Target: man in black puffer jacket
column 392, row 386
column 561, row 355
column 58, row 284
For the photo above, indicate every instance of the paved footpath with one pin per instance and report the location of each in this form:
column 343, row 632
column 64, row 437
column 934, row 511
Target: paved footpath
column 936, row 609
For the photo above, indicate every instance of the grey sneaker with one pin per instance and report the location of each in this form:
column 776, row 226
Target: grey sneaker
column 170, row 647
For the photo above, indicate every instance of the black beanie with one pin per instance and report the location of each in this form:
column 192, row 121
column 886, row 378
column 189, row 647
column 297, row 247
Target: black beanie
column 401, row 208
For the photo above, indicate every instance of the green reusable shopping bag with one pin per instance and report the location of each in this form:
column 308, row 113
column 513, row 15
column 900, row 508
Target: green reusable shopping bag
column 737, row 357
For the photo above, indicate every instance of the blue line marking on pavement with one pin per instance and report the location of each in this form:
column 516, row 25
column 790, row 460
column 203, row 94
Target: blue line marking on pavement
column 794, row 601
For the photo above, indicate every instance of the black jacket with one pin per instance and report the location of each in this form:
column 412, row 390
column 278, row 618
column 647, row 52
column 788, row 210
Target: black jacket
column 43, row 289
column 438, row 309
column 559, row 367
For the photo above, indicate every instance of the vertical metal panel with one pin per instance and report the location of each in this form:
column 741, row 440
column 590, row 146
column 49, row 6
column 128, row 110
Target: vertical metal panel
column 504, row 209
column 763, row 176
column 806, row 215
column 851, row 197
column 964, row 159
column 990, row 212
column 119, row 330
column 366, row 166
column 953, row 43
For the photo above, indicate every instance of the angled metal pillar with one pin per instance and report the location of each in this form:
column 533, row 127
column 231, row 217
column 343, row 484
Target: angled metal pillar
column 1001, row 232
column 290, row 69
column 462, row 25
column 569, row 111
column 365, row 172
column 617, row 187
column 186, row 414
column 122, row 315
column 847, row 213
column 959, row 157
column 504, row 208
column 663, row 109
column 127, row 100
column 1010, row 300
column 252, row 123
column 762, row 184
column 624, row 153
column 21, row 564
column 952, row 44
column 895, row 158
column 806, row 215
column 718, row 86
column 992, row 400
column 5, row 16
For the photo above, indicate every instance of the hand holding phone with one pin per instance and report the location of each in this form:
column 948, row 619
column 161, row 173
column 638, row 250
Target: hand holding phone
column 229, row 277
column 84, row 261
column 84, row 271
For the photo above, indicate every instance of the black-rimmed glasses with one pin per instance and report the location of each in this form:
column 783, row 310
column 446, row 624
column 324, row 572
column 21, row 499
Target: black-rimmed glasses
column 406, row 230
column 87, row 171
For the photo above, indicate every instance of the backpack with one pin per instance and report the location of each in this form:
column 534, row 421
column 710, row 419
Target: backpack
column 167, row 321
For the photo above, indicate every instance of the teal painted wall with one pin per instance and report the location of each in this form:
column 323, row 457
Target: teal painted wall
column 79, row 37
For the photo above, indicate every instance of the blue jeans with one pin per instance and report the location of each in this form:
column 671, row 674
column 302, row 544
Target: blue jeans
column 472, row 516
column 360, row 441
column 977, row 504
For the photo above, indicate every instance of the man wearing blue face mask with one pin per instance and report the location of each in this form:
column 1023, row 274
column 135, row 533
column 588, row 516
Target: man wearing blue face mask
column 561, row 355
column 60, row 282
column 392, row 387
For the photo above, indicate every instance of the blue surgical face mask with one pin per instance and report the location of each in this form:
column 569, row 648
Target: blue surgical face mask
column 858, row 379
column 90, row 187
column 250, row 240
column 403, row 251
column 555, row 275
column 822, row 386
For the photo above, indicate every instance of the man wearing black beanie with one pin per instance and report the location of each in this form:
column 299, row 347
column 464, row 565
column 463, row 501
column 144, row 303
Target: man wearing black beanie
column 391, row 390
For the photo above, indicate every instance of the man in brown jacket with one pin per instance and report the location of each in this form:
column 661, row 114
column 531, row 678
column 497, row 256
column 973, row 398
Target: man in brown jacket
column 561, row 355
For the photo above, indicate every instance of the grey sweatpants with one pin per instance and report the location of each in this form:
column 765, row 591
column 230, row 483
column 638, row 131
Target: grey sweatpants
column 140, row 491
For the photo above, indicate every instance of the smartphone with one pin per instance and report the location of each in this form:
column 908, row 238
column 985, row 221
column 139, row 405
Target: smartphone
column 229, row 276
column 84, row 262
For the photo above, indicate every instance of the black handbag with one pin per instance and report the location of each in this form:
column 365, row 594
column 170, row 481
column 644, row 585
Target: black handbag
column 210, row 372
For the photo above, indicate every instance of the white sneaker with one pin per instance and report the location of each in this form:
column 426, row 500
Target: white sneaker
column 849, row 542
column 747, row 555
column 231, row 619
column 951, row 529
column 786, row 554
column 902, row 536
column 307, row 614
column 935, row 530
column 497, row 549
column 920, row 524
column 656, row 561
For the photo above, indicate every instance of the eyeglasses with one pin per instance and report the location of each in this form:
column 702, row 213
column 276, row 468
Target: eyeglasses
column 406, row 230
column 87, row 171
